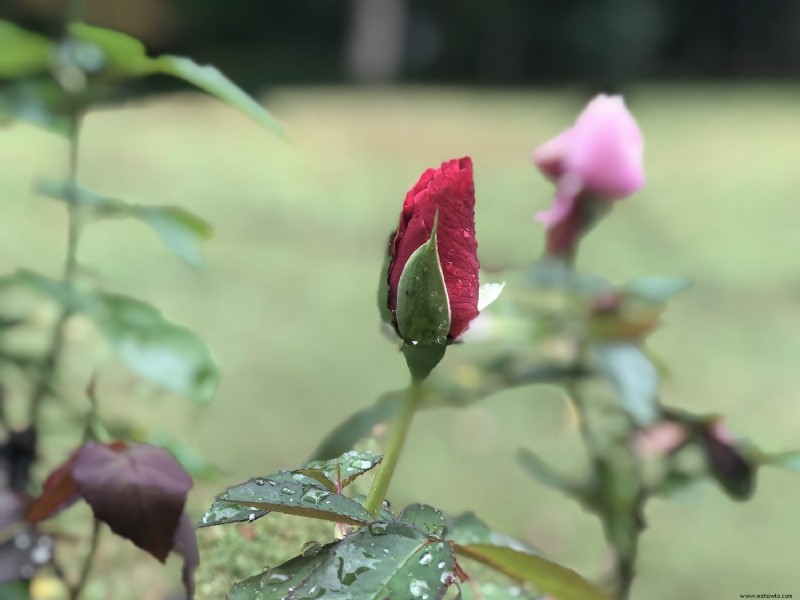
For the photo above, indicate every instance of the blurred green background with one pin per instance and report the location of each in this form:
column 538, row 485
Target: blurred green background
column 287, row 301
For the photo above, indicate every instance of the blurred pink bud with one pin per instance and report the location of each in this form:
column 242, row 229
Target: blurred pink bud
column 599, row 157
column 662, row 439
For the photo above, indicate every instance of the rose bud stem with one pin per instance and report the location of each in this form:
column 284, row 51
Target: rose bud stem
column 398, row 430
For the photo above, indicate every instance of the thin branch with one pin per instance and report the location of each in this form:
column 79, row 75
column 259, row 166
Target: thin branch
column 50, row 363
column 88, row 561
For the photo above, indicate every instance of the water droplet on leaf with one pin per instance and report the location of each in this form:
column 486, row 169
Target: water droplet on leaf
column 311, row 548
column 276, row 577
column 378, row 528
column 418, row 589
column 314, row 496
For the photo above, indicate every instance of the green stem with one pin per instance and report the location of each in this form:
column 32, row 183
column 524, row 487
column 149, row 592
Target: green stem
column 617, row 505
column 397, row 437
column 50, row 363
column 88, row 561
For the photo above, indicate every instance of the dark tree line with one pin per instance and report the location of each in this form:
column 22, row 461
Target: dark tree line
column 603, row 42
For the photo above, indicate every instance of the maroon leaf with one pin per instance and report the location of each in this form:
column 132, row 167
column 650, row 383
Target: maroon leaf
column 186, row 545
column 727, row 460
column 450, row 190
column 59, row 492
column 139, row 491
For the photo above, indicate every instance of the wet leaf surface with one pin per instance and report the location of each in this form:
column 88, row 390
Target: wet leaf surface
column 388, row 559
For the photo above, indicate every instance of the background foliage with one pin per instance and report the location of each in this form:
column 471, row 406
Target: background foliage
column 515, row 42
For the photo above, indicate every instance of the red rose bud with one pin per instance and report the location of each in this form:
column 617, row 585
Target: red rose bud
column 433, row 272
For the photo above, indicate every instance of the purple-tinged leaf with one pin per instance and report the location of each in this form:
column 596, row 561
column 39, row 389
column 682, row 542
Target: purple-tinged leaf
column 186, row 546
column 139, row 491
column 59, row 492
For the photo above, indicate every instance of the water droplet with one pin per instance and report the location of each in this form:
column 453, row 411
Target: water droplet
column 251, row 517
column 362, row 464
column 385, row 505
column 258, row 481
column 459, row 284
column 514, row 591
column 286, row 490
column 465, row 232
column 315, row 592
column 418, row 588
column 276, row 577
column 447, row 578
column 441, row 565
column 448, row 266
column 272, row 483
column 22, row 541
column 314, row 496
column 40, row 554
column 378, row 528
column 311, row 548
column 426, row 559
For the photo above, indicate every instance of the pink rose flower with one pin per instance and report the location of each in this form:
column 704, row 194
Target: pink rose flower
column 599, row 158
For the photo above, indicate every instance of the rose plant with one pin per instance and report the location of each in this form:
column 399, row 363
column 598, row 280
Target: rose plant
column 430, row 296
column 134, row 487
column 431, row 299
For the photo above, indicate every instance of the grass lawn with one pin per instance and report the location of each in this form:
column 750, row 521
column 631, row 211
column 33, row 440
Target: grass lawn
column 288, row 301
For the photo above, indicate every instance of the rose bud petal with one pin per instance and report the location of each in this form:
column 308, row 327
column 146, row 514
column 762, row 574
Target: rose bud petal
column 599, row 158
column 445, row 195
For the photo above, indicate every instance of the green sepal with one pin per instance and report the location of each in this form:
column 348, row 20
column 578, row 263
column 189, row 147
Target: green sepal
column 383, row 283
column 423, row 308
column 421, row 359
